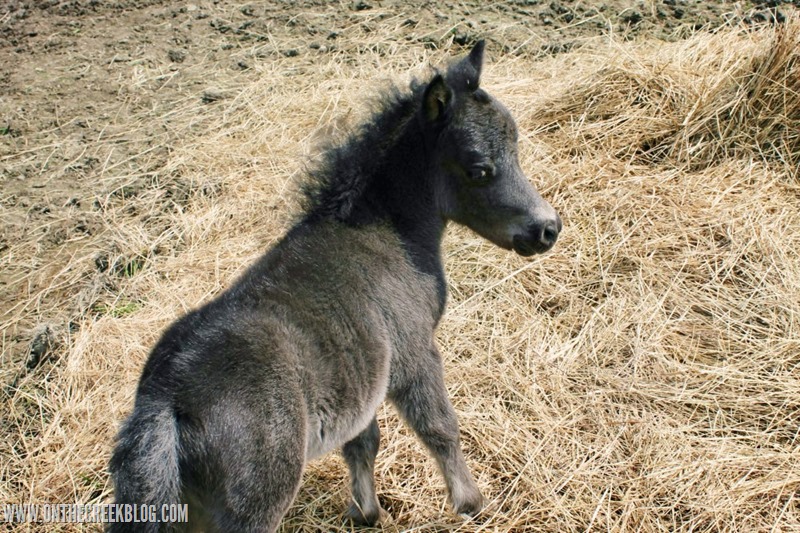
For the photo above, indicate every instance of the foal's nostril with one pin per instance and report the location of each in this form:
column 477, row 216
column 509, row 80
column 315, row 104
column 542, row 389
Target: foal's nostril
column 538, row 237
column 550, row 232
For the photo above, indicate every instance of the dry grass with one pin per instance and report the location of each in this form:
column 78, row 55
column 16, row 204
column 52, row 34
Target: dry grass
column 641, row 376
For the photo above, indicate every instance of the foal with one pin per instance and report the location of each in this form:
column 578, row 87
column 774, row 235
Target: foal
column 294, row 359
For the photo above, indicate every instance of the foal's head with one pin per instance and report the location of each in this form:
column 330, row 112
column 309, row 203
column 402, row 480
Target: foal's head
column 481, row 184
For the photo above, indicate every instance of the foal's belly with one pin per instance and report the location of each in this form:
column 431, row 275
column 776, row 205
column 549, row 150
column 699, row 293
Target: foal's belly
column 330, row 428
column 323, row 438
column 327, row 432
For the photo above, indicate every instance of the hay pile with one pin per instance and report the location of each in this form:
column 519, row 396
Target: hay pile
column 641, row 376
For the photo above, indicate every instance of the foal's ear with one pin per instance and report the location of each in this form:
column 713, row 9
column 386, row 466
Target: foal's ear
column 437, row 99
column 465, row 75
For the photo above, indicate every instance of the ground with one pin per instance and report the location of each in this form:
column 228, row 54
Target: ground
column 138, row 175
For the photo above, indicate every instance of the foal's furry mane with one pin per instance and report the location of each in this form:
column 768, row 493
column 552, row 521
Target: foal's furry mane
column 333, row 185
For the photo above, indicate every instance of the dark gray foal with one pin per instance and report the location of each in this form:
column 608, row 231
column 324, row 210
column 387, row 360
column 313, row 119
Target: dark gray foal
column 294, row 359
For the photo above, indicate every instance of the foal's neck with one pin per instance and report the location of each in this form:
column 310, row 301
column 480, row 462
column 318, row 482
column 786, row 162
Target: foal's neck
column 404, row 192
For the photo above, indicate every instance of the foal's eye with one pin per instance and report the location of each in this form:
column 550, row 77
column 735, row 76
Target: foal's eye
column 481, row 174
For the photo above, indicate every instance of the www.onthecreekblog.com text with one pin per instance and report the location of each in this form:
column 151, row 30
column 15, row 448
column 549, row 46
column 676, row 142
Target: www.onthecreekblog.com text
column 76, row 513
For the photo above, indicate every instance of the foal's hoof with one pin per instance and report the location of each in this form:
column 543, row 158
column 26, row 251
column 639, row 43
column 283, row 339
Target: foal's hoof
column 470, row 506
column 363, row 517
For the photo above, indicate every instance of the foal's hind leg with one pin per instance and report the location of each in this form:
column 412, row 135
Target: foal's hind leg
column 360, row 454
column 255, row 449
column 422, row 401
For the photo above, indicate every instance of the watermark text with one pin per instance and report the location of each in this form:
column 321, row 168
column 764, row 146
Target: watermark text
column 76, row 513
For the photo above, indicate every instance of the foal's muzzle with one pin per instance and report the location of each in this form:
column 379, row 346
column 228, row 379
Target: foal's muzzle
column 539, row 237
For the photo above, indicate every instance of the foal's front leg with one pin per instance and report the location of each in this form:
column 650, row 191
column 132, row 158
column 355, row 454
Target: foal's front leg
column 422, row 401
column 360, row 454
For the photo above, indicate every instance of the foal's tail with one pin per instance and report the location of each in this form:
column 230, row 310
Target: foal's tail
column 145, row 467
